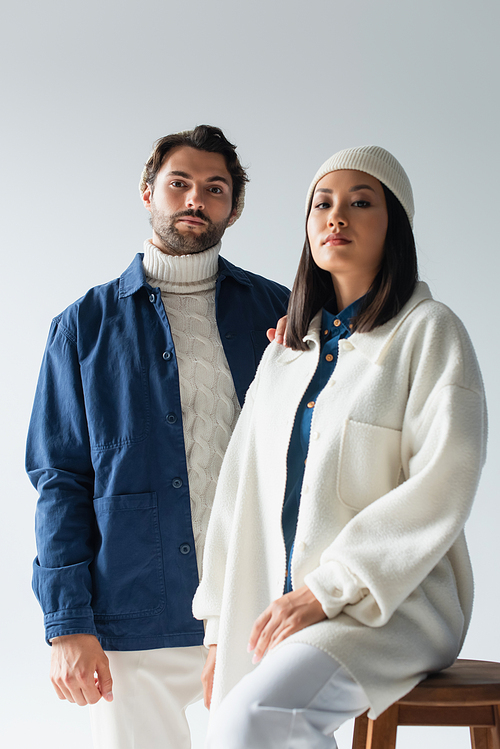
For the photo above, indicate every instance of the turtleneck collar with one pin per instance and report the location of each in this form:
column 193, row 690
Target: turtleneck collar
column 181, row 272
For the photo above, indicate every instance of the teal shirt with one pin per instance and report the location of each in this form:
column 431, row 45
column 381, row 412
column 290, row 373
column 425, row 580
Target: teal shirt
column 333, row 328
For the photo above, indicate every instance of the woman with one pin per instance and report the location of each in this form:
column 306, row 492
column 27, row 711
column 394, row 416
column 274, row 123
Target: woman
column 337, row 529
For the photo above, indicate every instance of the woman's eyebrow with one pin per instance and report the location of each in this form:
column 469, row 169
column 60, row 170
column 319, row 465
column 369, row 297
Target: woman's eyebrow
column 361, row 187
column 351, row 189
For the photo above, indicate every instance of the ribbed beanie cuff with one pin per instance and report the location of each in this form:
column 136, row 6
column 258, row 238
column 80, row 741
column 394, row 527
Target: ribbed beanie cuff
column 375, row 161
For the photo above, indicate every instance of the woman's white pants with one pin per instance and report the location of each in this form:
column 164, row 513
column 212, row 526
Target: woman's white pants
column 151, row 690
column 295, row 699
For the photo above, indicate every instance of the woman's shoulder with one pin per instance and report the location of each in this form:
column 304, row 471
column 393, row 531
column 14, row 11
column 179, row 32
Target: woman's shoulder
column 432, row 316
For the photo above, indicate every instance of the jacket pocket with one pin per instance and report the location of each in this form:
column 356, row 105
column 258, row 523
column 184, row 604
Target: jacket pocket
column 117, row 404
column 369, row 463
column 127, row 569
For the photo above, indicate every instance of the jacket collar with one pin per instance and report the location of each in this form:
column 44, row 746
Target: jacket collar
column 373, row 345
column 134, row 278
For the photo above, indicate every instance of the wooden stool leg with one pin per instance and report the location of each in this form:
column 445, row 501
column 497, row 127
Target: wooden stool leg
column 382, row 732
column 360, row 732
column 487, row 738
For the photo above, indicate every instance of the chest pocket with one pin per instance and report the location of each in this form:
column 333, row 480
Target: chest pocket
column 369, row 463
column 117, row 403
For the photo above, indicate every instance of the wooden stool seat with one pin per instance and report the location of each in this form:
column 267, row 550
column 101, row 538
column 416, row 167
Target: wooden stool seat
column 465, row 694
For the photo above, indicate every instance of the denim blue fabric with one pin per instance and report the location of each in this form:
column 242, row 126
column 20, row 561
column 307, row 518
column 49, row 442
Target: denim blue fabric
column 106, row 452
column 333, row 328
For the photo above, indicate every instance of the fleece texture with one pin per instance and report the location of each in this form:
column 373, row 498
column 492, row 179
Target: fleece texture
column 398, row 440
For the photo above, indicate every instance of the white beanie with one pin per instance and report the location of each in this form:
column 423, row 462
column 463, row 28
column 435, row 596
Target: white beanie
column 375, row 161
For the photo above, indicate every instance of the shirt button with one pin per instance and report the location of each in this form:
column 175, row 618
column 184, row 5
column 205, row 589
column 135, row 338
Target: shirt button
column 171, row 418
column 167, row 355
column 305, row 488
column 347, row 346
column 184, row 548
column 329, row 357
column 177, row 483
column 311, row 404
column 337, row 322
column 331, row 383
column 301, row 546
column 315, row 435
column 152, row 297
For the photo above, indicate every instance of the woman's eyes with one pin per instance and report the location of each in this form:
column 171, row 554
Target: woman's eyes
column 356, row 204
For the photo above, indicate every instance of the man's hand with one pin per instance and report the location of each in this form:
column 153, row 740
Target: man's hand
column 207, row 676
column 76, row 659
column 278, row 333
column 290, row 613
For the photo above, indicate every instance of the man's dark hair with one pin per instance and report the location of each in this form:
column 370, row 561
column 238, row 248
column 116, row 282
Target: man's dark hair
column 391, row 288
column 204, row 138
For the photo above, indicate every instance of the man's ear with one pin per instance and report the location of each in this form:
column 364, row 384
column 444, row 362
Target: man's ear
column 232, row 217
column 146, row 197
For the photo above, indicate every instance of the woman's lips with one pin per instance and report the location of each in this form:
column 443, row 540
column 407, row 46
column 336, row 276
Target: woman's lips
column 334, row 240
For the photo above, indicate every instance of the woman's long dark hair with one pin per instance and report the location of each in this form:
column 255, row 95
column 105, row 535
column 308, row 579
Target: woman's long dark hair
column 391, row 288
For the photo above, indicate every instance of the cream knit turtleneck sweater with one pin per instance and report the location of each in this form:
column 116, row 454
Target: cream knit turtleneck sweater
column 209, row 403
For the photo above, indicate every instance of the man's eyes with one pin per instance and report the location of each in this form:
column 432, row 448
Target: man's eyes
column 214, row 189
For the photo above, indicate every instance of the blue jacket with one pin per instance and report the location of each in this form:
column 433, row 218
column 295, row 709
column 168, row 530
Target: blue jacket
column 106, row 451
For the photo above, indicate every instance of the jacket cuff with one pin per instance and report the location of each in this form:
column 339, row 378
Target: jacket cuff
column 211, row 631
column 335, row 586
column 69, row 622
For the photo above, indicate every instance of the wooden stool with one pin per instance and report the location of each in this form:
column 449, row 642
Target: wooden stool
column 466, row 694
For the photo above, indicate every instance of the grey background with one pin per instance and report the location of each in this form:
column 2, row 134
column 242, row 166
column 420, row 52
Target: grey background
column 86, row 89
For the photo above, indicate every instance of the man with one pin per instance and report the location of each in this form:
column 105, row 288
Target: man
column 139, row 391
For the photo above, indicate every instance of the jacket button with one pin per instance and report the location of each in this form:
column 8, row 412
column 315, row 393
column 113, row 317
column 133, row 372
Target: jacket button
column 177, row 483
column 152, row 297
column 171, row 418
column 167, row 355
column 329, row 357
column 184, row 548
column 229, row 336
column 337, row 322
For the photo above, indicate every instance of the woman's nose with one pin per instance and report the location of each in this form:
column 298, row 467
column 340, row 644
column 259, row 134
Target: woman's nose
column 336, row 218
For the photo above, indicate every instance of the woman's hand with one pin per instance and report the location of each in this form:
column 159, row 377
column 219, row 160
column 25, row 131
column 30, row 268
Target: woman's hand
column 207, row 676
column 290, row 613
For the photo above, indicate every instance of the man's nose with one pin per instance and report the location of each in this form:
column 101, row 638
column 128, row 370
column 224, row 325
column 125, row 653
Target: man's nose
column 194, row 198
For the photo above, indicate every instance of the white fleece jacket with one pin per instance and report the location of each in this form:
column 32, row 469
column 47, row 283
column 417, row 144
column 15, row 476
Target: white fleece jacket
column 398, row 441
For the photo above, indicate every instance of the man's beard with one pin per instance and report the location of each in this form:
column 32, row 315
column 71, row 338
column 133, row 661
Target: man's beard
column 189, row 243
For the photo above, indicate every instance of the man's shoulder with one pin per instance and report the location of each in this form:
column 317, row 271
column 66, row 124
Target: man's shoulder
column 103, row 298
column 248, row 278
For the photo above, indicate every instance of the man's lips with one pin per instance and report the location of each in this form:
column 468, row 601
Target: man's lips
column 334, row 240
column 192, row 220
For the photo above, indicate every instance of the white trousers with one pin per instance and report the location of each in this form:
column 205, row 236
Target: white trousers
column 295, row 699
column 151, row 691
